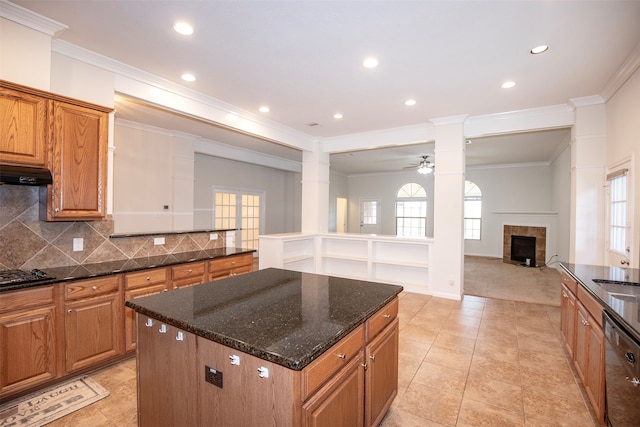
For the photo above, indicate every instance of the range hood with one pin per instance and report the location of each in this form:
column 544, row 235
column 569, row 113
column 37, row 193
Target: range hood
column 24, row 175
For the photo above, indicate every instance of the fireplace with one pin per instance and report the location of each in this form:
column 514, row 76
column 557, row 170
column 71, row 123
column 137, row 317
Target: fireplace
column 523, row 250
column 540, row 244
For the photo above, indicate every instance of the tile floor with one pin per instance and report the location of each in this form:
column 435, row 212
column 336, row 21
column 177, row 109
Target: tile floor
column 478, row 362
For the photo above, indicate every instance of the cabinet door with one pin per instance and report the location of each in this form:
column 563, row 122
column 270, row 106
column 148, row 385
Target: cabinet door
column 167, row 375
column 79, row 162
column 594, row 385
column 22, row 128
column 340, row 403
column 28, row 349
column 93, row 330
column 187, row 274
column 581, row 355
column 130, row 314
column 382, row 374
column 568, row 316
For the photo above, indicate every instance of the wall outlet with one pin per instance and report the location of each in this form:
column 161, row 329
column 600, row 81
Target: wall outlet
column 213, row 236
column 158, row 241
column 78, row 244
column 213, row 376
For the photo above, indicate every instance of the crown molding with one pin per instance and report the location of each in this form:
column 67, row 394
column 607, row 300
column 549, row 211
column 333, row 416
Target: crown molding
column 622, row 74
column 586, row 101
column 131, row 78
column 450, row 120
column 403, row 135
column 550, row 117
column 30, row 19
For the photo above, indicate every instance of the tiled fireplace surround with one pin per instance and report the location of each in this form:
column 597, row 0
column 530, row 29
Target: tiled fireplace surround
column 540, row 233
column 26, row 242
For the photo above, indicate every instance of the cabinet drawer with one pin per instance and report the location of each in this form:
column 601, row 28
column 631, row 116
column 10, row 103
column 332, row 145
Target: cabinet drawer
column 314, row 375
column 156, row 276
column 589, row 302
column 570, row 283
column 381, row 319
column 186, row 271
column 230, row 262
column 25, row 298
column 88, row 288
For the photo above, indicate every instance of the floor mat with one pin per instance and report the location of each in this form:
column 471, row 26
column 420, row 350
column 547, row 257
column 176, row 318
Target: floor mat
column 45, row 406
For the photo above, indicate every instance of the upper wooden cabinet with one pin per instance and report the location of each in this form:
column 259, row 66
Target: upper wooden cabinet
column 78, row 163
column 67, row 136
column 23, row 132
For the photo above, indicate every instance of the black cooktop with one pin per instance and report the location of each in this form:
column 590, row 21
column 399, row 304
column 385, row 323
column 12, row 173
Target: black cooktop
column 11, row 277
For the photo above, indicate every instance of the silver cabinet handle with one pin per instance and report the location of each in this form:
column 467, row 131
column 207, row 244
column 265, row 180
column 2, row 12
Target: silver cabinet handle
column 95, row 288
column 635, row 381
column 341, row 356
column 386, row 316
column 163, row 329
column 372, row 357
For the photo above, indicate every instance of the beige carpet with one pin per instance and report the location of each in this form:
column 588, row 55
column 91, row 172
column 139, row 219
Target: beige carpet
column 490, row 277
column 43, row 407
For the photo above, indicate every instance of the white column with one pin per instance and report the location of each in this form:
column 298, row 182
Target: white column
column 315, row 190
column 588, row 202
column 447, row 268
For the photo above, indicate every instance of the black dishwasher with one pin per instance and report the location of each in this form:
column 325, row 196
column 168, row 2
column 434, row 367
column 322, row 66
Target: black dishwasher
column 622, row 375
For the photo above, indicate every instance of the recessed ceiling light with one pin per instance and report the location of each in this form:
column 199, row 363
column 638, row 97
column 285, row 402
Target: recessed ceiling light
column 337, row 116
column 183, row 28
column 410, row 102
column 370, row 63
column 539, row 49
column 508, row 85
column 264, row 109
column 188, row 77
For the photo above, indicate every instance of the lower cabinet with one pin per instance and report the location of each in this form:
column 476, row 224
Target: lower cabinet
column 166, row 378
column 202, row 382
column 28, row 330
column 93, row 321
column 188, row 274
column 221, row 268
column 581, row 327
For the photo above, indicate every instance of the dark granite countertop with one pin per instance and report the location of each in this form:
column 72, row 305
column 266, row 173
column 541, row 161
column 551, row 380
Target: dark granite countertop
column 85, row 271
column 621, row 301
column 282, row 316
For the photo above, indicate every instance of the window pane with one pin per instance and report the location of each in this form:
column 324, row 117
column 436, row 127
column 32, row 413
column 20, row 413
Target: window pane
column 618, row 214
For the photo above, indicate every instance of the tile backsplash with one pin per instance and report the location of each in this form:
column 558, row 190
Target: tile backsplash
column 26, row 242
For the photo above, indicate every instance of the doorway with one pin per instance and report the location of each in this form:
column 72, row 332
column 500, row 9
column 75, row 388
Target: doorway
column 370, row 216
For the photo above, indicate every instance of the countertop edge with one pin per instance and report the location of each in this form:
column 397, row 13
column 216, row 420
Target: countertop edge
column 296, row 365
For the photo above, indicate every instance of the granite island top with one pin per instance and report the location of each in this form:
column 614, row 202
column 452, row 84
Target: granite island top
column 286, row 317
column 86, row 271
column 620, row 300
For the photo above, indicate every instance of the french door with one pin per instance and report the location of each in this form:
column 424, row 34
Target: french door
column 241, row 210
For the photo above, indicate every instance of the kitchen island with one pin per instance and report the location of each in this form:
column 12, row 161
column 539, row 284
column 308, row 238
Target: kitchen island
column 272, row 347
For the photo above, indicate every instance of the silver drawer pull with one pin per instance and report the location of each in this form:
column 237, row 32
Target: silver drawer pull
column 95, row 288
column 163, row 329
column 386, row 316
column 372, row 357
column 341, row 356
column 180, row 336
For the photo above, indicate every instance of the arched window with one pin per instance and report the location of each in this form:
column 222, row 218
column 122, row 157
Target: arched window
column 411, row 211
column 472, row 211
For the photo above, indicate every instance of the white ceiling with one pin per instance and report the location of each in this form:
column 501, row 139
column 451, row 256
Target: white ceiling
column 303, row 59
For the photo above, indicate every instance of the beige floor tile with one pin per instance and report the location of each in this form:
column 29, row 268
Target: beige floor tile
column 399, row 418
column 475, row 413
column 448, row 358
column 495, row 393
column 424, row 333
column 431, row 403
column 544, row 409
column 488, row 368
column 412, row 347
column 553, row 346
column 440, row 377
column 461, row 329
column 506, row 351
column 455, row 342
column 544, row 361
column 467, row 314
column 551, row 382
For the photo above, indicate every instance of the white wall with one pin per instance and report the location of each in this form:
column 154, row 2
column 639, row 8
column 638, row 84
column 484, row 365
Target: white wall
column 339, row 187
column 385, row 187
column 25, row 55
column 282, row 191
column 623, row 142
column 561, row 202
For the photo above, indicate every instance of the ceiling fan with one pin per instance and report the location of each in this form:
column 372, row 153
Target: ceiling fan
column 424, row 167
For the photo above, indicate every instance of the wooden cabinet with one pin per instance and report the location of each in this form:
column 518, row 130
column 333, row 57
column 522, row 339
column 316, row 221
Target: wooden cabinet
column 589, row 358
column 340, row 402
column 140, row 284
column 93, row 321
column 28, row 333
column 581, row 328
column 568, row 311
column 382, row 374
column 189, row 274
column 23, row 130
column 167, row 380
column 221, row 268
column 78, row 163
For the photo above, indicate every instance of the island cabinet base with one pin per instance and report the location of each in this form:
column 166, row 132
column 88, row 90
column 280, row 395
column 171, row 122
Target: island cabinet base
column 184, row 379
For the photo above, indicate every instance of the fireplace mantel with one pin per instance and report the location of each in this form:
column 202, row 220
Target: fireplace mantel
column 539, row 232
